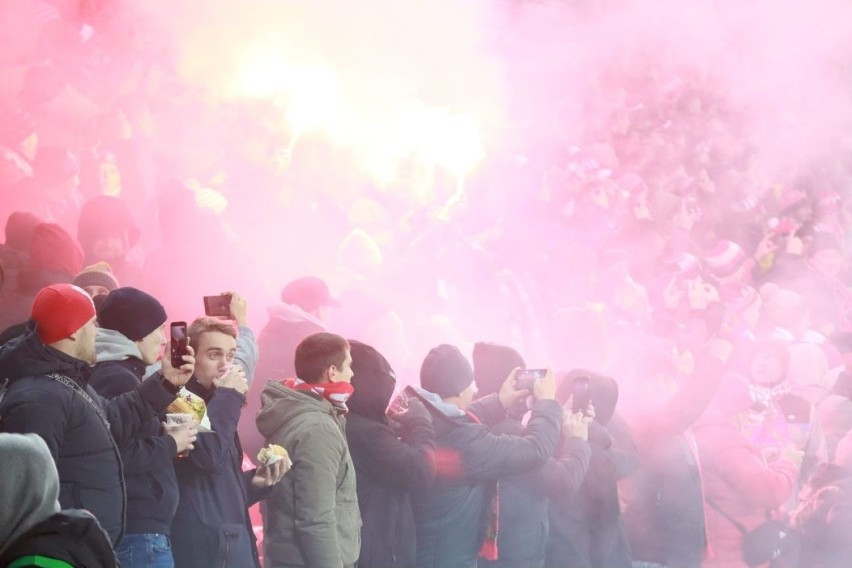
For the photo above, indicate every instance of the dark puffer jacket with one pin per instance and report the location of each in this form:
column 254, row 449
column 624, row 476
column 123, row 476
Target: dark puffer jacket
column 451, row 515
column 387, row 468
column 86, row 455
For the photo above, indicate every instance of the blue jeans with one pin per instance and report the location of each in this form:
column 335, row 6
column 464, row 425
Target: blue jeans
column 145, row 551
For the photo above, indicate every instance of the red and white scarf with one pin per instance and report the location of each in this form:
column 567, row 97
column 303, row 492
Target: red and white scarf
column 335, row 393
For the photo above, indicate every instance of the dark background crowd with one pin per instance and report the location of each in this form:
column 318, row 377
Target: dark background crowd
column 636, row 203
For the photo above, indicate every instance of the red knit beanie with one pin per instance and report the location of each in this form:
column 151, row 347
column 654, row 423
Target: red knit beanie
column 60, row 310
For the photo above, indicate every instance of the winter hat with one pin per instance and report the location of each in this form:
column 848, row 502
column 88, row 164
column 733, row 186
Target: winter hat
column 445, row 371
column 492, row 363
column 60, row 310
column 98, row 274
column 131, row 312
column 105, row 215
column 19, row 230
column 309, row 293
column 724, row 258
column 53, row 165
column 51, row 248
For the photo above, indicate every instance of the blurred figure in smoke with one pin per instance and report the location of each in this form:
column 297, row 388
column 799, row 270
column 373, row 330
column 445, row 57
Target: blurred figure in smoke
column 524, row 498
column 18, row 143
column 742, row 487
column 107, row 231
column 54, row 258
column 664, row 511
column 303, row 311
column 52, row 191
column 586, row 527
column 14, row 252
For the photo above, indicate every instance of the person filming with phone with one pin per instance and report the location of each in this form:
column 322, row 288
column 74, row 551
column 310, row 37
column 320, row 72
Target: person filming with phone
column 458, row 516
column 524, row 498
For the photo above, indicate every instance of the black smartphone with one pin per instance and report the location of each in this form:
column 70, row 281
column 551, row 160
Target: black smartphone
column 580, row 397
column 218, row 306
column 525, row 379
column 179, row 342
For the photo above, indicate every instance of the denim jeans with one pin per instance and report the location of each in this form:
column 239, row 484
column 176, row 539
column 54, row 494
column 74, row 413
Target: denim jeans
column 145, row 551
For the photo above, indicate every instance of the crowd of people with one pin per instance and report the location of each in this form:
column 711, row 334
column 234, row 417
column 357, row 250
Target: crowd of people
column 654, row 260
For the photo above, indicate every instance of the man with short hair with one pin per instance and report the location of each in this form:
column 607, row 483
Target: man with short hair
column 312, row 518
column 212, row 525
column 130, row 338
column 49, row 394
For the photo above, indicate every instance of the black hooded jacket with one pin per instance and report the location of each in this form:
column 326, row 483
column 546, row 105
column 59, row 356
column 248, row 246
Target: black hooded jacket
column 82, row 445
column 586, row 526
column 387, row 468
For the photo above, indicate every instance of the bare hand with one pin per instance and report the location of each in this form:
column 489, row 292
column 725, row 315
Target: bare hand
column 179, row 377
column 183, row 434
column 545, row 389
column 508, row 394
column 576, row 425
column 235, row 379
column 269, row 475
column 793, row 454
column 238, row 308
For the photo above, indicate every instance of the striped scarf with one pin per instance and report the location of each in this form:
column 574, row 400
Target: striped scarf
column 335, row 393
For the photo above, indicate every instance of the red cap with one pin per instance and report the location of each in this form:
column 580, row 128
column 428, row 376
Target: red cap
column 60, row 310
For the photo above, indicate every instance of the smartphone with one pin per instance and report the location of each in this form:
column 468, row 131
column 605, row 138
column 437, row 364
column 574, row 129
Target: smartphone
column 580, row 397
column 527, row 378
column 179, row 342
column 218, row 306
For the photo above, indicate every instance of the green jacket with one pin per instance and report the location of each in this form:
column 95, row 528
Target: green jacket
column 312, row 514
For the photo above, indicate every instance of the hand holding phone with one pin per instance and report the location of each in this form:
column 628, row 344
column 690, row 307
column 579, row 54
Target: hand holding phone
column 178, row 344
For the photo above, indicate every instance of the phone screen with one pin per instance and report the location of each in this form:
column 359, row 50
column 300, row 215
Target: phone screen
column 526, row 378
column 179, row 343
column 580, row 398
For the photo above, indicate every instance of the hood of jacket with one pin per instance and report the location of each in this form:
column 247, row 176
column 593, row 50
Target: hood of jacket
column 291, row 313
column 33, row 485
column 373, row 380
column 603, row 392
column 111, row 345
column 27, row 356
column 281, row 404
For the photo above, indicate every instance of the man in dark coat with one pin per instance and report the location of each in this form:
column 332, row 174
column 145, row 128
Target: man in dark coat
column 524, row 498
column 457, row 518
column 212, row 526
column 49, row 394
column 131, row 338
column 387, row 468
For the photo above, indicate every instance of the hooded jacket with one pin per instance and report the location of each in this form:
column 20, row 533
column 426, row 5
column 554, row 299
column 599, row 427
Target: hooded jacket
column 313, row 518
column 30, row 520
column 450, row 516
column 388, row 468
column 288, row 325
column 82, row 445
column 586, row 526
column 152, row 490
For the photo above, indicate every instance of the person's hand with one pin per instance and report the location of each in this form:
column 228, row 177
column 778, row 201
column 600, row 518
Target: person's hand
column 766, row 246
column 792, row 454
column 233, row 378
column 416, row 411
column 672, row 294
column 700, row 294
column 179, row 377
column 509, row 394
column 183, row 434
column 795, row 246
column 238, row 308
column 576, row 425
column 545, row 389
column 720, row 349
column 269, row 475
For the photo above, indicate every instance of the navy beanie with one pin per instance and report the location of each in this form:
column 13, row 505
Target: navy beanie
column 131, row 312
column 445, row 371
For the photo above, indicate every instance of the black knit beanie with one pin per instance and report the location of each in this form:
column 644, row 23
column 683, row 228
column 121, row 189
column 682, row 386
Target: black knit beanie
column 445, row 371
column 131, row 312
column 492, row 363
